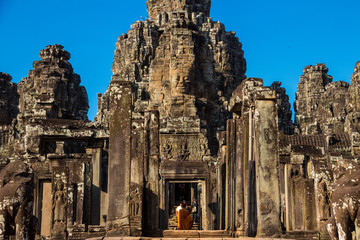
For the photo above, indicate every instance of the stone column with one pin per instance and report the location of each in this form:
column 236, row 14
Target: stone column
column 245, row 171
column 137, row 177
column 230, row 167
column 288, row 202
column 222, row 178
column 96, row 188
column 77, row 200
column 60, row 193
column 151, row 172
column 118, row 222
column 251, row 174
column 310, row 220
column 234, row 217
column 239, row 180
column 267, row 164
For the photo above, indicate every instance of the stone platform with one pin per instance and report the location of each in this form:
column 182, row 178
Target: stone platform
column 196, row 234
column 214, row 235
column 165, row 238
column 188, row 235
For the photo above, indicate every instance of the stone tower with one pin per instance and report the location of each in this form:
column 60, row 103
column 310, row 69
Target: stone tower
column 52, row 89
column 352, row 102
column 317, row 109
column 173, row 76
column 157, row 7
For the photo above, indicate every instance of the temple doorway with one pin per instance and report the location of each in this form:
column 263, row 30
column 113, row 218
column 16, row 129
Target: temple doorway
column 188, row 191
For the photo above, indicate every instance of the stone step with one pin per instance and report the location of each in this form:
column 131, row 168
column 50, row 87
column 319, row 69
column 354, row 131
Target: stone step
column 204, row 235
column 164, row 238
column 303, row 235
column 195, row 234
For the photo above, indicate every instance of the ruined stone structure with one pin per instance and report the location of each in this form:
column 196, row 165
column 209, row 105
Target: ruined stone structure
column 320, row 103
column 179, row 121
column 16, row 196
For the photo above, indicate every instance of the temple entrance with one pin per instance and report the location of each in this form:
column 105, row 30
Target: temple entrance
column 188, row 191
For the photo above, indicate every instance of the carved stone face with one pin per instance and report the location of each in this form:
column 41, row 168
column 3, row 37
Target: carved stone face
column 180, row 85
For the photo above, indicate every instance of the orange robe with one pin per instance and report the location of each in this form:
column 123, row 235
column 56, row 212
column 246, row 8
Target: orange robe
column 185, row 220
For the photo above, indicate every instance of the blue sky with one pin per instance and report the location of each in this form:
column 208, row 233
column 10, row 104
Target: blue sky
column 279, row 37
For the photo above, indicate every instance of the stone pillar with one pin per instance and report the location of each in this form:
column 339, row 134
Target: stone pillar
column 288, row 194
column 297, row 202
column 137, row 177
column 239, row 180
column 60, row 194
column 309, row 206
column 118, row 222
column 234, row 216
column 251, row 174
column 245, row 173
column 267, row 164
column 96, row 188
column 77, row 203
column 151, row 172
column 222, row 178
column 230, row 167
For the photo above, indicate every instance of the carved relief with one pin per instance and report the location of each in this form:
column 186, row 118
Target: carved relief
column 183, row 147
column 324, row 202
column 59, row 209
column 135, row 201
column 59, row 202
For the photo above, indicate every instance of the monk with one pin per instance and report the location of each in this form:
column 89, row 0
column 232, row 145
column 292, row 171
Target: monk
column 185, row 220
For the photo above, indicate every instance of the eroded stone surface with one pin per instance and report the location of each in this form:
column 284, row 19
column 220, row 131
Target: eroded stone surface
column 52, row 89
column 158, row 7
column 179, row 115
column 320, row 106
column 284, row 113
column 16, row 198
column 182, row 68
column 8, row 99
column 345, row 202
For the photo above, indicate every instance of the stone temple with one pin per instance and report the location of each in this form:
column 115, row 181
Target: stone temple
column 179, row 121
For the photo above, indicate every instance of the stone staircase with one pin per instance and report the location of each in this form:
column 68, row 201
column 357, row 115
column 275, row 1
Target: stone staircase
column 303, row 235
column 196, row 234
column 173, row 223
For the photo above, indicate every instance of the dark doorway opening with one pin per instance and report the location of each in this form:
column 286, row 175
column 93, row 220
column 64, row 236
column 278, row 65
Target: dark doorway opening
column 179, row 191
column 182, row 192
